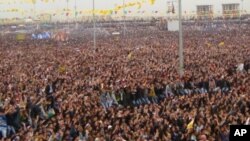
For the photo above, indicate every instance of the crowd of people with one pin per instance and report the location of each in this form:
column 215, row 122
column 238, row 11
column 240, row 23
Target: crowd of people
column 127, row 88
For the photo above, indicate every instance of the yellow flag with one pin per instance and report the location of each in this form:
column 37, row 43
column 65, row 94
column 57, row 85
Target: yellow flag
column 221, row 44
column 190, row 124
column 152, row 91
column 20, row 37
column 151, row 2
column 34, row 1
column 208, row 44
column 62, row 69
column 130, row 55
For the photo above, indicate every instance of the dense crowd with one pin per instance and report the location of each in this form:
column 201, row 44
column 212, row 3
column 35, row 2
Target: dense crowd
column 126, row 88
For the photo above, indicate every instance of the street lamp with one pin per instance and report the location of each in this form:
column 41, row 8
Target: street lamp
column 76, row 13
column 68, row 13
column 181, row 59
column 241, row 13
column 94, row 26
column 124, row 24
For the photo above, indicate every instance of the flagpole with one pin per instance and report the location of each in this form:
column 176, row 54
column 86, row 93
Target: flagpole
column 94, row 22
column 181, row 59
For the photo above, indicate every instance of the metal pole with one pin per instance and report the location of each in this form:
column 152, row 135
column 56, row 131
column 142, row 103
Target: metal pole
column 241, row 13
column 242, row 8
column 124, row 24
column 68, row 13
column 34, row 7
column 94, row 26
column 34, row 19
column 75, row 9
column 75, row 15
column 181, row 59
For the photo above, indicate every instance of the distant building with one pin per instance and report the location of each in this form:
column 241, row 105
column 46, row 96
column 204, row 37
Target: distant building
column 204, row 9
column 200, row 9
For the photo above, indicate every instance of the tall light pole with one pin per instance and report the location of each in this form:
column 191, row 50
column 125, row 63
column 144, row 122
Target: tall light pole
column 94, row 26
column 75, row 10
column 68, row 13
column 181, row 59
column 34, row 17
column 124, row 24
column 241, row 13
column 34, row 7
column 75, row 15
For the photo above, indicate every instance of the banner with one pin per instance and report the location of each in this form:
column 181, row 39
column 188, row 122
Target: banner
column 40, row 36
column 20, row 37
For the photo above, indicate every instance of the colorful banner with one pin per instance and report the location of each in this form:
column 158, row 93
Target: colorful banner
column 40, row 36
column 20, row 37
column 69, row 11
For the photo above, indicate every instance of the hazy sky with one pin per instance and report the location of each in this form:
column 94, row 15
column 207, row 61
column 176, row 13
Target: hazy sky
column 57, row 5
